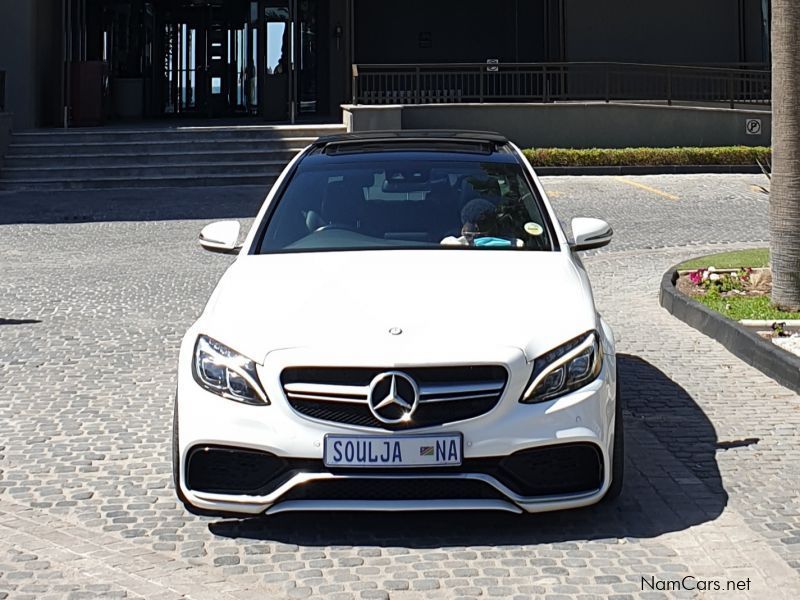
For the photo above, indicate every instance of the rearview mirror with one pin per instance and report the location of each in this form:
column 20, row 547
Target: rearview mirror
column 589, row 234
column 221, row 237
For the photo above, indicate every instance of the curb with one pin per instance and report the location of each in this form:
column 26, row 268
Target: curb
column 637, row 170
column 780, row 365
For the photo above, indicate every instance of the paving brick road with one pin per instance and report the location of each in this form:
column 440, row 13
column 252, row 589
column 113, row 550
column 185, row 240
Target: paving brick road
column 98, row 287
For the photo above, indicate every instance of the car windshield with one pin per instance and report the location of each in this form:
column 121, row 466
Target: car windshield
column 384, row 203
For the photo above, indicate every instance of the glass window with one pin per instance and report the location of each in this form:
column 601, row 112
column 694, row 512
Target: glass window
column 277, row 40
column 464, row 204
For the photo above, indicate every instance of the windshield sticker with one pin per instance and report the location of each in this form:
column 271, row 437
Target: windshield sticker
column 533, row 229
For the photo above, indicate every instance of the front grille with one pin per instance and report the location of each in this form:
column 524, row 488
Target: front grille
column 447, row 394
column 393, row 489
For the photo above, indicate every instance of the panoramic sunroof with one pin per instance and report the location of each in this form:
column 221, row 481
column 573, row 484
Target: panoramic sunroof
column 357, row 146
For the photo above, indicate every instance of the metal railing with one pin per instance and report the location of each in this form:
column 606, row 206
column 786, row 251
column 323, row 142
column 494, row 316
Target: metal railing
column 559, row 82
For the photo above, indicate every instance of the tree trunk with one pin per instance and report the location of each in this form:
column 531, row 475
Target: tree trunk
column 784, row 206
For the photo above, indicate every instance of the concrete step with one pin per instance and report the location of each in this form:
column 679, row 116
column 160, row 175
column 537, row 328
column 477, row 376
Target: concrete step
column 140, row 182
column 81, row 136
column 175, row 146
column 198, row 169
column 159, row 157
column 33, row 161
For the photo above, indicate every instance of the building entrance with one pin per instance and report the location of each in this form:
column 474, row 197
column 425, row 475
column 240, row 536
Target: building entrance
column 205, row 58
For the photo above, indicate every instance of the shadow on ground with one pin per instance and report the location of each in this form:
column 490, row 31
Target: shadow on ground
column 157, row 204
column 19, row 321
column 672, row 483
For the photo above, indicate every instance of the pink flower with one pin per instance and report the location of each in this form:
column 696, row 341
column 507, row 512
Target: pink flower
column 696, row 277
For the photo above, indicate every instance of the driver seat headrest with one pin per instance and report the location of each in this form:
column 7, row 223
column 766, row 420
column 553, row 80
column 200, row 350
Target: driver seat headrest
column 343, row 201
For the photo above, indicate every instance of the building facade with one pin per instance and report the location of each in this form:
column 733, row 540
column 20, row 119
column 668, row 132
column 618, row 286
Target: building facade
column 88, row 62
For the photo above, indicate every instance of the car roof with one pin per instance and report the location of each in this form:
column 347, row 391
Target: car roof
column 402, row 134
column 483, row 142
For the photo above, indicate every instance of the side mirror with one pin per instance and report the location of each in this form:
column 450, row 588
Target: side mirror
column 221, row 237
column 589, row 234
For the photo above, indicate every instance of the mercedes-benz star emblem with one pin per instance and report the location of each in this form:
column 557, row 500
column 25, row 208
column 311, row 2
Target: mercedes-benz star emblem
column 393, row 397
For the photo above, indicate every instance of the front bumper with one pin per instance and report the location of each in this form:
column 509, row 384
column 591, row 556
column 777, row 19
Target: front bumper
column 553, row 473
column 584, row 419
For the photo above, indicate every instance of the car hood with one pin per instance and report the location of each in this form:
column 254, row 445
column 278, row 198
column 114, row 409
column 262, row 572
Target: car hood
column 458, row 299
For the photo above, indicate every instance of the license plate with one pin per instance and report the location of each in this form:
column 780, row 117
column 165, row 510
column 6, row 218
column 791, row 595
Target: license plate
column 393, row 451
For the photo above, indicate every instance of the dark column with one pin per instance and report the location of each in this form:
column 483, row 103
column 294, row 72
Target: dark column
column 31, row 36
column 339, row 35
column 532, row 30
column 554, row 30
column 261, row 67
column 754, row 35
column 49, row 40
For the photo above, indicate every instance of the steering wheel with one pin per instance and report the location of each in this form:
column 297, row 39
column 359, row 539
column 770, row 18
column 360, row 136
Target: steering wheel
column 334, row 226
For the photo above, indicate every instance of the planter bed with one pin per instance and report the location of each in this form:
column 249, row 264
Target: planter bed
column 745, row 342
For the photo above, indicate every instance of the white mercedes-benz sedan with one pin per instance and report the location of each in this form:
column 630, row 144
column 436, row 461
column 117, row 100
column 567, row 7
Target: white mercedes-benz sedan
column 405, row 327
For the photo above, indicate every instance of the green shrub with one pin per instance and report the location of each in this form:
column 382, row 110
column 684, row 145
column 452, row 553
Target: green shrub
column 647, row 157
column 745, row 307
column 755, row 258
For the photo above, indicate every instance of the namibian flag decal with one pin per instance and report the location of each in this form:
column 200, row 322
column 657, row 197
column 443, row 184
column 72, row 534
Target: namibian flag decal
column 426, row 450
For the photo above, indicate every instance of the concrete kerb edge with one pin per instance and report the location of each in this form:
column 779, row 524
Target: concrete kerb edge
column 780, row 365
column 651, row 170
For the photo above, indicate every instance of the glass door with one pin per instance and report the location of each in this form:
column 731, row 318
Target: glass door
column 279, row 63
column 292, row 54
column 208, row 58
column 183, row 75
column 217, row 51
column 227, row 58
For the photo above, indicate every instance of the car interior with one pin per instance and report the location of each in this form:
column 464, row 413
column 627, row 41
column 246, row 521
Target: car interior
column 400, row 204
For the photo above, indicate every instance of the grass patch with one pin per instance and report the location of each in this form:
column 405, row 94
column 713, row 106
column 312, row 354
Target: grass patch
column 739, row 308
column 756, row 258
column 647, row 157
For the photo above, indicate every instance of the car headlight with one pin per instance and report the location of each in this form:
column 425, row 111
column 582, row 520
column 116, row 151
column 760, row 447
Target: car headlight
column 226, row 373
column 565, row 369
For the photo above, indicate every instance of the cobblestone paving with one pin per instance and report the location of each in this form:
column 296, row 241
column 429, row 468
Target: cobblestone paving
column 98, row 289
